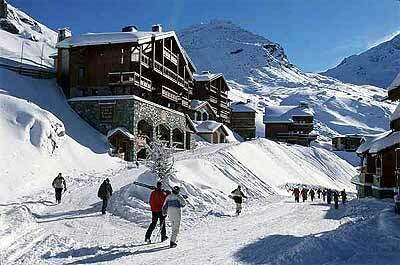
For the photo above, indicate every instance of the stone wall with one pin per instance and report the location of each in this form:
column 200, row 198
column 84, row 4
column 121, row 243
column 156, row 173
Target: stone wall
column 106, row 113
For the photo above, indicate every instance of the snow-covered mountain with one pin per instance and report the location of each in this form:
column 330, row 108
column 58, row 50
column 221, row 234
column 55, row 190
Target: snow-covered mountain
column 377, row 66
column 259, row 69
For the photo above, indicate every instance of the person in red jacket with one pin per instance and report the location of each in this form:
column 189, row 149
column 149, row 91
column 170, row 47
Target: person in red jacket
column 157, row 198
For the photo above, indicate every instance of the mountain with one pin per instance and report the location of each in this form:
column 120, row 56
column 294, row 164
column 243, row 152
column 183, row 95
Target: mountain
column 258, row 69
column 377, row 66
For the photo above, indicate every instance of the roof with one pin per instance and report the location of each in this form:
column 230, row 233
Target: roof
column 190, row 124
column 196, row 104
column 369, row 140
column 122, row 130
column 385, row 142
column 206, row 76
column 242, row 107
column 209, row 126
column 396, row 113
column 90, row 39
column 279, row 114
column 396, row 83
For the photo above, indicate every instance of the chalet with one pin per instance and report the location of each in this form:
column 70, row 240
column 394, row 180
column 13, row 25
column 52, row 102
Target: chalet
column 291, row 124
column 348, row 142
column 211, row 131
column 243, row 119
column 380, row 157
column 202, row 111
column 132, row 86
column 212, row 87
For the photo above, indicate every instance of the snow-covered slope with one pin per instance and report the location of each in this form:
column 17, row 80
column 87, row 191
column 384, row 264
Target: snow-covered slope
column 19, row 30
column 377, row 66
column 259, row 69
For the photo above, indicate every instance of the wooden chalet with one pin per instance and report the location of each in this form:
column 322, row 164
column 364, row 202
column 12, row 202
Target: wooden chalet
column 291, row 124
column 152, row 65
column 212, row 87
column 202, row 111
column 380, row 157
column 212, row 131
column 347, row 143
column 132, row 86
column 243, row 119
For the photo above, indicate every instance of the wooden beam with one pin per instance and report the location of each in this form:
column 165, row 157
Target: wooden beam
column 154, row 52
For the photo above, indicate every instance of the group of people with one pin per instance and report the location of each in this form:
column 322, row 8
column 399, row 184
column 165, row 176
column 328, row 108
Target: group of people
column 327, row 194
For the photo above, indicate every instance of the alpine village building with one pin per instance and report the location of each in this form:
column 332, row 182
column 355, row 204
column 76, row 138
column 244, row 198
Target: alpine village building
column 134, row 86
column 291, row 124
column 243, row 119
column 380, row 157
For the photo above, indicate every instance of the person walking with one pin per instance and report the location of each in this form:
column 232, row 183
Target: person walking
column 324, row 194
column 296, row 193
column 336, row 199
column 59, row 185
column 344, row 196
column 319, row 193
column 172, row 207
column 312, row 194
column 104, row 193
column 304, row 192
column 237, row 195
column 157, row 199
column 329, row 196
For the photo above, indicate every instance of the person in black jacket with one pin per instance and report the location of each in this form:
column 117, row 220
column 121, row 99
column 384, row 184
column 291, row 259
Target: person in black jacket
column 105, row 193
column 237, row 195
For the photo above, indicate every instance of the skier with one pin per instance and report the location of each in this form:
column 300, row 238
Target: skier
column 344, row 196
column 157, row 199
column 312, row 194
column 296, row 193
column 172, row 207
column 329, row 196
column 336, row 199
column 304, row 192
column 105, row 192
column 58, row 185
column 323, row 194
column 237, row 195
column 137, row 164
column 319, row 193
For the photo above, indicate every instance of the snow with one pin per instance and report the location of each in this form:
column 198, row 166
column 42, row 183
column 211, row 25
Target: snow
column 242, row 107
column 284, row 113
column 396, row 113
column 377, row 66
column 110, row 37
column 208, row 126
column 385, row 142
column 206, row 76
column 122, row 130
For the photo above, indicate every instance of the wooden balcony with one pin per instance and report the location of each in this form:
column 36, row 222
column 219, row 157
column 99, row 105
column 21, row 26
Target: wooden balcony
column 146, row 61
column 224, row 105
column 171, row 75
column 181, row 82
column 173, row 58
column 185, row 102
column 212, row 100
column 169, row 94
column 129, row 78
column 224, row 115
column 293, row 135
column 213, row 89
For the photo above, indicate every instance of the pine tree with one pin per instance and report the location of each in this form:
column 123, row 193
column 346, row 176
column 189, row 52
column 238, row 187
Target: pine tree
column 161, row 160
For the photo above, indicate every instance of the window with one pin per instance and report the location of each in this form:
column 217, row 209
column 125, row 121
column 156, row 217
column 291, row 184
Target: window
column 135, row 56
column 122, row 56
column 82, row 74
column 205, row 116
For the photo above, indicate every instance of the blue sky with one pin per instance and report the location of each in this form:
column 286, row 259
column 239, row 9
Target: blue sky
column 316, row 34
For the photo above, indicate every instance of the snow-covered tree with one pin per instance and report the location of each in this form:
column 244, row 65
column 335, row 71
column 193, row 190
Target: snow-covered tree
column 161, row 160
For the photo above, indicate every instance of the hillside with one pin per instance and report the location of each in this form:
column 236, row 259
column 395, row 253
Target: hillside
column 260, row 70
column 377, row 66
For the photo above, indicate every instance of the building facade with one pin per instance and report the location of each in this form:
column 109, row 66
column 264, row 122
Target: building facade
column 291, row 124
column 213, row 88
column 243, row 119
column 348, row 143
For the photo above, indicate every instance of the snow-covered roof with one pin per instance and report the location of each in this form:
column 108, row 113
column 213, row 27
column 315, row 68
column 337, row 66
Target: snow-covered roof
column 243, row 107
column 385, row 142
column 369, row 140
column 111, row 37
column 396, row 83
column 122, row 130
column 196, row 104
column 278, row 114
column 206, row 76
column 209, row 126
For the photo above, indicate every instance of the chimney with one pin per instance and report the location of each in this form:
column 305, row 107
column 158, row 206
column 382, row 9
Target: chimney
column 156, row 28
column 130, row 28
column 3, row 9
column 63, row 34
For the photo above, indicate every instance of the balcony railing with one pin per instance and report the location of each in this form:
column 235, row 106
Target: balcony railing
column 296, row 135
column 169, row 94
column 212, row 100
column 185, row 102
column 168, row 73
column 213, row 89
column 146, row 61
column 129, row 78
column 170, row 56
column 181, row 81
